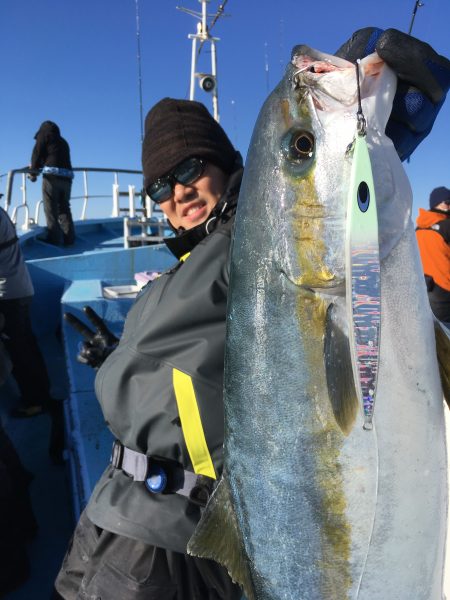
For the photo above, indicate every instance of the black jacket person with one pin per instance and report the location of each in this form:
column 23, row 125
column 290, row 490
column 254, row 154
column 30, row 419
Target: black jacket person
column 161, row 389
column 51, row 154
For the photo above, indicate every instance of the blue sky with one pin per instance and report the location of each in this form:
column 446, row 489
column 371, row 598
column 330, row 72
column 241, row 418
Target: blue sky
column 75, row 62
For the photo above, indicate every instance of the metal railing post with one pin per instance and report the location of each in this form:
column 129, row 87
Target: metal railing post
column 126, row 233
column 23, row 188
column 115, row 193
column 132, row 212
column 25, row 226
column 85, row 197
column 148, row 207
column 37, row 210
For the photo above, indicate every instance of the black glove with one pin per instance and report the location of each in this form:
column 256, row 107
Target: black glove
column 423, row 82
column 98, row 344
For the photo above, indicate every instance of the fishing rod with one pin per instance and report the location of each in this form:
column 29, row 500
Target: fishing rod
column 219, row 14
column 417, row 4
column 138, row 39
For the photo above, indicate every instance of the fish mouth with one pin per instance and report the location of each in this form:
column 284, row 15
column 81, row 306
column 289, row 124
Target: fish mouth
column 305, row 58
column 314, row 70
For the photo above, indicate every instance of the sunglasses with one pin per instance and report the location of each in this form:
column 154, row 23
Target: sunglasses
column 185, row 173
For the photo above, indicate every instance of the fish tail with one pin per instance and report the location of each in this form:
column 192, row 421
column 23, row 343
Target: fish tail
column 217, row 537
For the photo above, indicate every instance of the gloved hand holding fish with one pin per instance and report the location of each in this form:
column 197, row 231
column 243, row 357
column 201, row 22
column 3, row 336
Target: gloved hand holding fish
column 423, row 81
column 312, row 505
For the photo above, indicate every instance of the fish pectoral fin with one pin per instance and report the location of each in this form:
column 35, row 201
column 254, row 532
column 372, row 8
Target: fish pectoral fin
column 217, row 537
column 443, row 356
column 339, row 373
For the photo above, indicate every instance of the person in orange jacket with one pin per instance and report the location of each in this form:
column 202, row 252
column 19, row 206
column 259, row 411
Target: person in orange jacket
column 433, row 237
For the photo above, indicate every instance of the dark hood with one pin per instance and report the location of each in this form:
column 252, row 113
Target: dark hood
column 49, row 130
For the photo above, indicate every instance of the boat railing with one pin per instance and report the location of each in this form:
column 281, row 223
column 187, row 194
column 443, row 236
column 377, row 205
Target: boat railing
column 139, row 206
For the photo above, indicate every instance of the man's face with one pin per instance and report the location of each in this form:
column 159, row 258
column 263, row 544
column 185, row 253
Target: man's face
column 443, row 206
column 190, row 205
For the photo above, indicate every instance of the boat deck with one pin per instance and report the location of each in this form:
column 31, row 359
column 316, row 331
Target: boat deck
column 50, row 488
column 95, row 235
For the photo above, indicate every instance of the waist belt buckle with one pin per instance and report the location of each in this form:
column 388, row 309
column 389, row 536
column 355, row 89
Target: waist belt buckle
column 201, row 492
column 117, row 454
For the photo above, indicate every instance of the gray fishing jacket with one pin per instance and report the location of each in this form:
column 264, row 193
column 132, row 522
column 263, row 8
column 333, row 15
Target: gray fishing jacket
column 15, row 280
column 161, row 389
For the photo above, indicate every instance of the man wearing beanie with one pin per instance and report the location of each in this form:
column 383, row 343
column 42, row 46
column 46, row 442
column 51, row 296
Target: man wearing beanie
column 161, row 388
column 433, row 237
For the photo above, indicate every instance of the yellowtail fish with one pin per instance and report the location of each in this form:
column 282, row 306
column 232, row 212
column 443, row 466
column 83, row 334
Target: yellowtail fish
column 311, row 505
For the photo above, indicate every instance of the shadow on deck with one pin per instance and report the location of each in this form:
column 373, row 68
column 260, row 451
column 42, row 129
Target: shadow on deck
column 49, row 490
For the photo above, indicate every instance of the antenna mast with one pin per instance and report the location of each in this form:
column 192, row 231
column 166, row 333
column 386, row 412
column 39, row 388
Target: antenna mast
column 207, row 81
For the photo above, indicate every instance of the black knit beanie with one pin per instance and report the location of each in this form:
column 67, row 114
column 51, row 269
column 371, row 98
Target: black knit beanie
column 438, row 195
column 178, row 129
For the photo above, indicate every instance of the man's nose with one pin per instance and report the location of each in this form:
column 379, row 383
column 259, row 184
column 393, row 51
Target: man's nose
column 180, row 192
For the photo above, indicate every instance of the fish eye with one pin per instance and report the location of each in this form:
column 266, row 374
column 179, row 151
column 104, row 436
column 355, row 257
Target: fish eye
column 299, row 147
column 303, row 145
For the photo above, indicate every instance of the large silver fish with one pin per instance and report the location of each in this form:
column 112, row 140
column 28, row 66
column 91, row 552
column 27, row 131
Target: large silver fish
column 311, row 506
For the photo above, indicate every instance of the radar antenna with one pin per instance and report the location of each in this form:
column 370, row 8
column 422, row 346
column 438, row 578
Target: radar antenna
column 207, row 81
